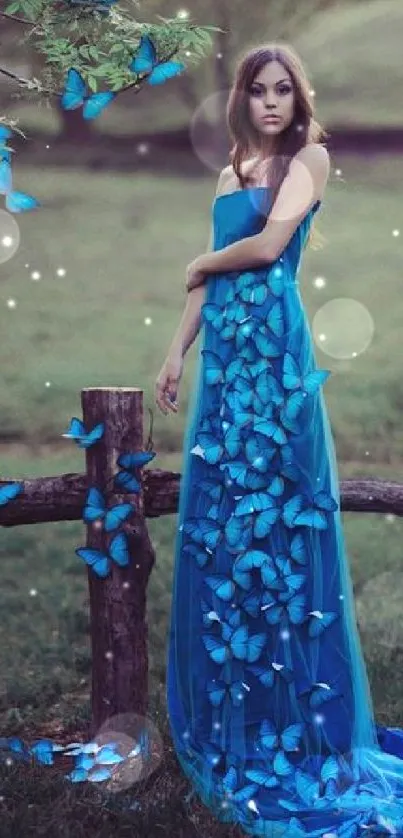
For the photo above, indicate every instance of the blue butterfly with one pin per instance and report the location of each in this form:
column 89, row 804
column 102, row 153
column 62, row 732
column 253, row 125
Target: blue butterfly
column 298, row 550
column 5, row 150
column 75, row 94
column 82, row 437
column 101, row 6
column 292, row 580
column 314, row 792
column 217, row 690
column 267, row 675
column 288, row 739
column 125, row 479
column 238, row 532
column 264, row 343
column 310, row 516
column 203, row 531
column 293, row 378
column 214, row 370
column 229, row 784
column 99, row 561
column 318, row 621
column 95, row 509
column 146, row 61
column 293, row 608
column 202, row 556
column 15, row 201
column 240, row 646
column 10, row 491
column 319, row 693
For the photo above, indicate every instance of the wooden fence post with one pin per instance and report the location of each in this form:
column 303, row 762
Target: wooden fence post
column 117, row 603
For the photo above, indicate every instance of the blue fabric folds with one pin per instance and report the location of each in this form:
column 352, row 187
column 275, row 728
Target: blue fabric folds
column 267, row 691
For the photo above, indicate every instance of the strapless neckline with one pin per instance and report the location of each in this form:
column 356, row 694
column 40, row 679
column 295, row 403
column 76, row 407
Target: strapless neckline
column 251, row 189
column 239, row 191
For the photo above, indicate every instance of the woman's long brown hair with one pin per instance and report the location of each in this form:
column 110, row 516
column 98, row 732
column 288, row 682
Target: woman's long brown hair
column 247, row 139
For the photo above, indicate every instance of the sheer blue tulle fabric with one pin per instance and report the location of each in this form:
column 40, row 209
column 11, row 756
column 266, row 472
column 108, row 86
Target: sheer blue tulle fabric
column 267, row 692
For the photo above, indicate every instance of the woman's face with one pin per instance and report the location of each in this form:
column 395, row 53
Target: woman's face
column 271, row 93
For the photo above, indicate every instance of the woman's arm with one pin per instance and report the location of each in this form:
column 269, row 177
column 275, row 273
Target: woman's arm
column 190, row 323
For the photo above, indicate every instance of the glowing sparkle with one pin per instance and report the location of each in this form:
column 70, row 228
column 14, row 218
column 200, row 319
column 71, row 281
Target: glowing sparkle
column 35, row 275
column 396, row 233
column 319, row 718
column 319, row 282
column 48, row 384
column 182, row 14
column 148, row 321
column 7, row 241
column 143, row 148
column 11, row 303
column 390, row 516
column 285, row 634
column 109, row 655
column 33, row 592
column 217, row 726
column 61, row 271
column 126, row 585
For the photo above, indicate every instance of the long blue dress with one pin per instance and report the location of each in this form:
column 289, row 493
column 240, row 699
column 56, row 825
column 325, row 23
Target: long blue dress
column 267, row 693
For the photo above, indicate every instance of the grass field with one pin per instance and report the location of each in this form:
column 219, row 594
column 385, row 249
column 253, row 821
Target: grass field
column 125, row 251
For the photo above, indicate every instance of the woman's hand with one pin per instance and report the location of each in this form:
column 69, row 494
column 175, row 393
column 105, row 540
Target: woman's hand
column 167, row 383
column 194, row 274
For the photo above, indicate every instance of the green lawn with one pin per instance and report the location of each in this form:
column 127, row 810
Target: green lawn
column 125, row 252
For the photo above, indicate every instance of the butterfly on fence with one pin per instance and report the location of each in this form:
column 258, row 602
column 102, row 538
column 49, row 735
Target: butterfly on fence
column 95, row 509
column 10, row 491
column 99, row 561
column 5, row 150
column 81, row 436
column 145, row 61
column 125, row 479
column 15, row 201
column 75, row 94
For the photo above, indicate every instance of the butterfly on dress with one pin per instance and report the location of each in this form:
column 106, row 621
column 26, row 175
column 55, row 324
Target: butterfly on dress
column 218, row 690
column 10, row 491
column 98, row 561
column 276, row 745
column 274, row 612
column 15, row 201
column 239, row 645
column 95, row 510
column 293, row 378
column 318, row 621
column 82, row 437
column 318, row 693
column 203, row 531
column 313, row 515
column 269, row 675
column 315, row 792
column 145, row 61
column 125, row 479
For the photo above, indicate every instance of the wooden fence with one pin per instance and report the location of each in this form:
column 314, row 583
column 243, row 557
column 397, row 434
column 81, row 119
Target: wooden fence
column 118, row 603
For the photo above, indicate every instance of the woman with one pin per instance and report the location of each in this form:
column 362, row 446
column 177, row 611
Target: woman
column 267, row 691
